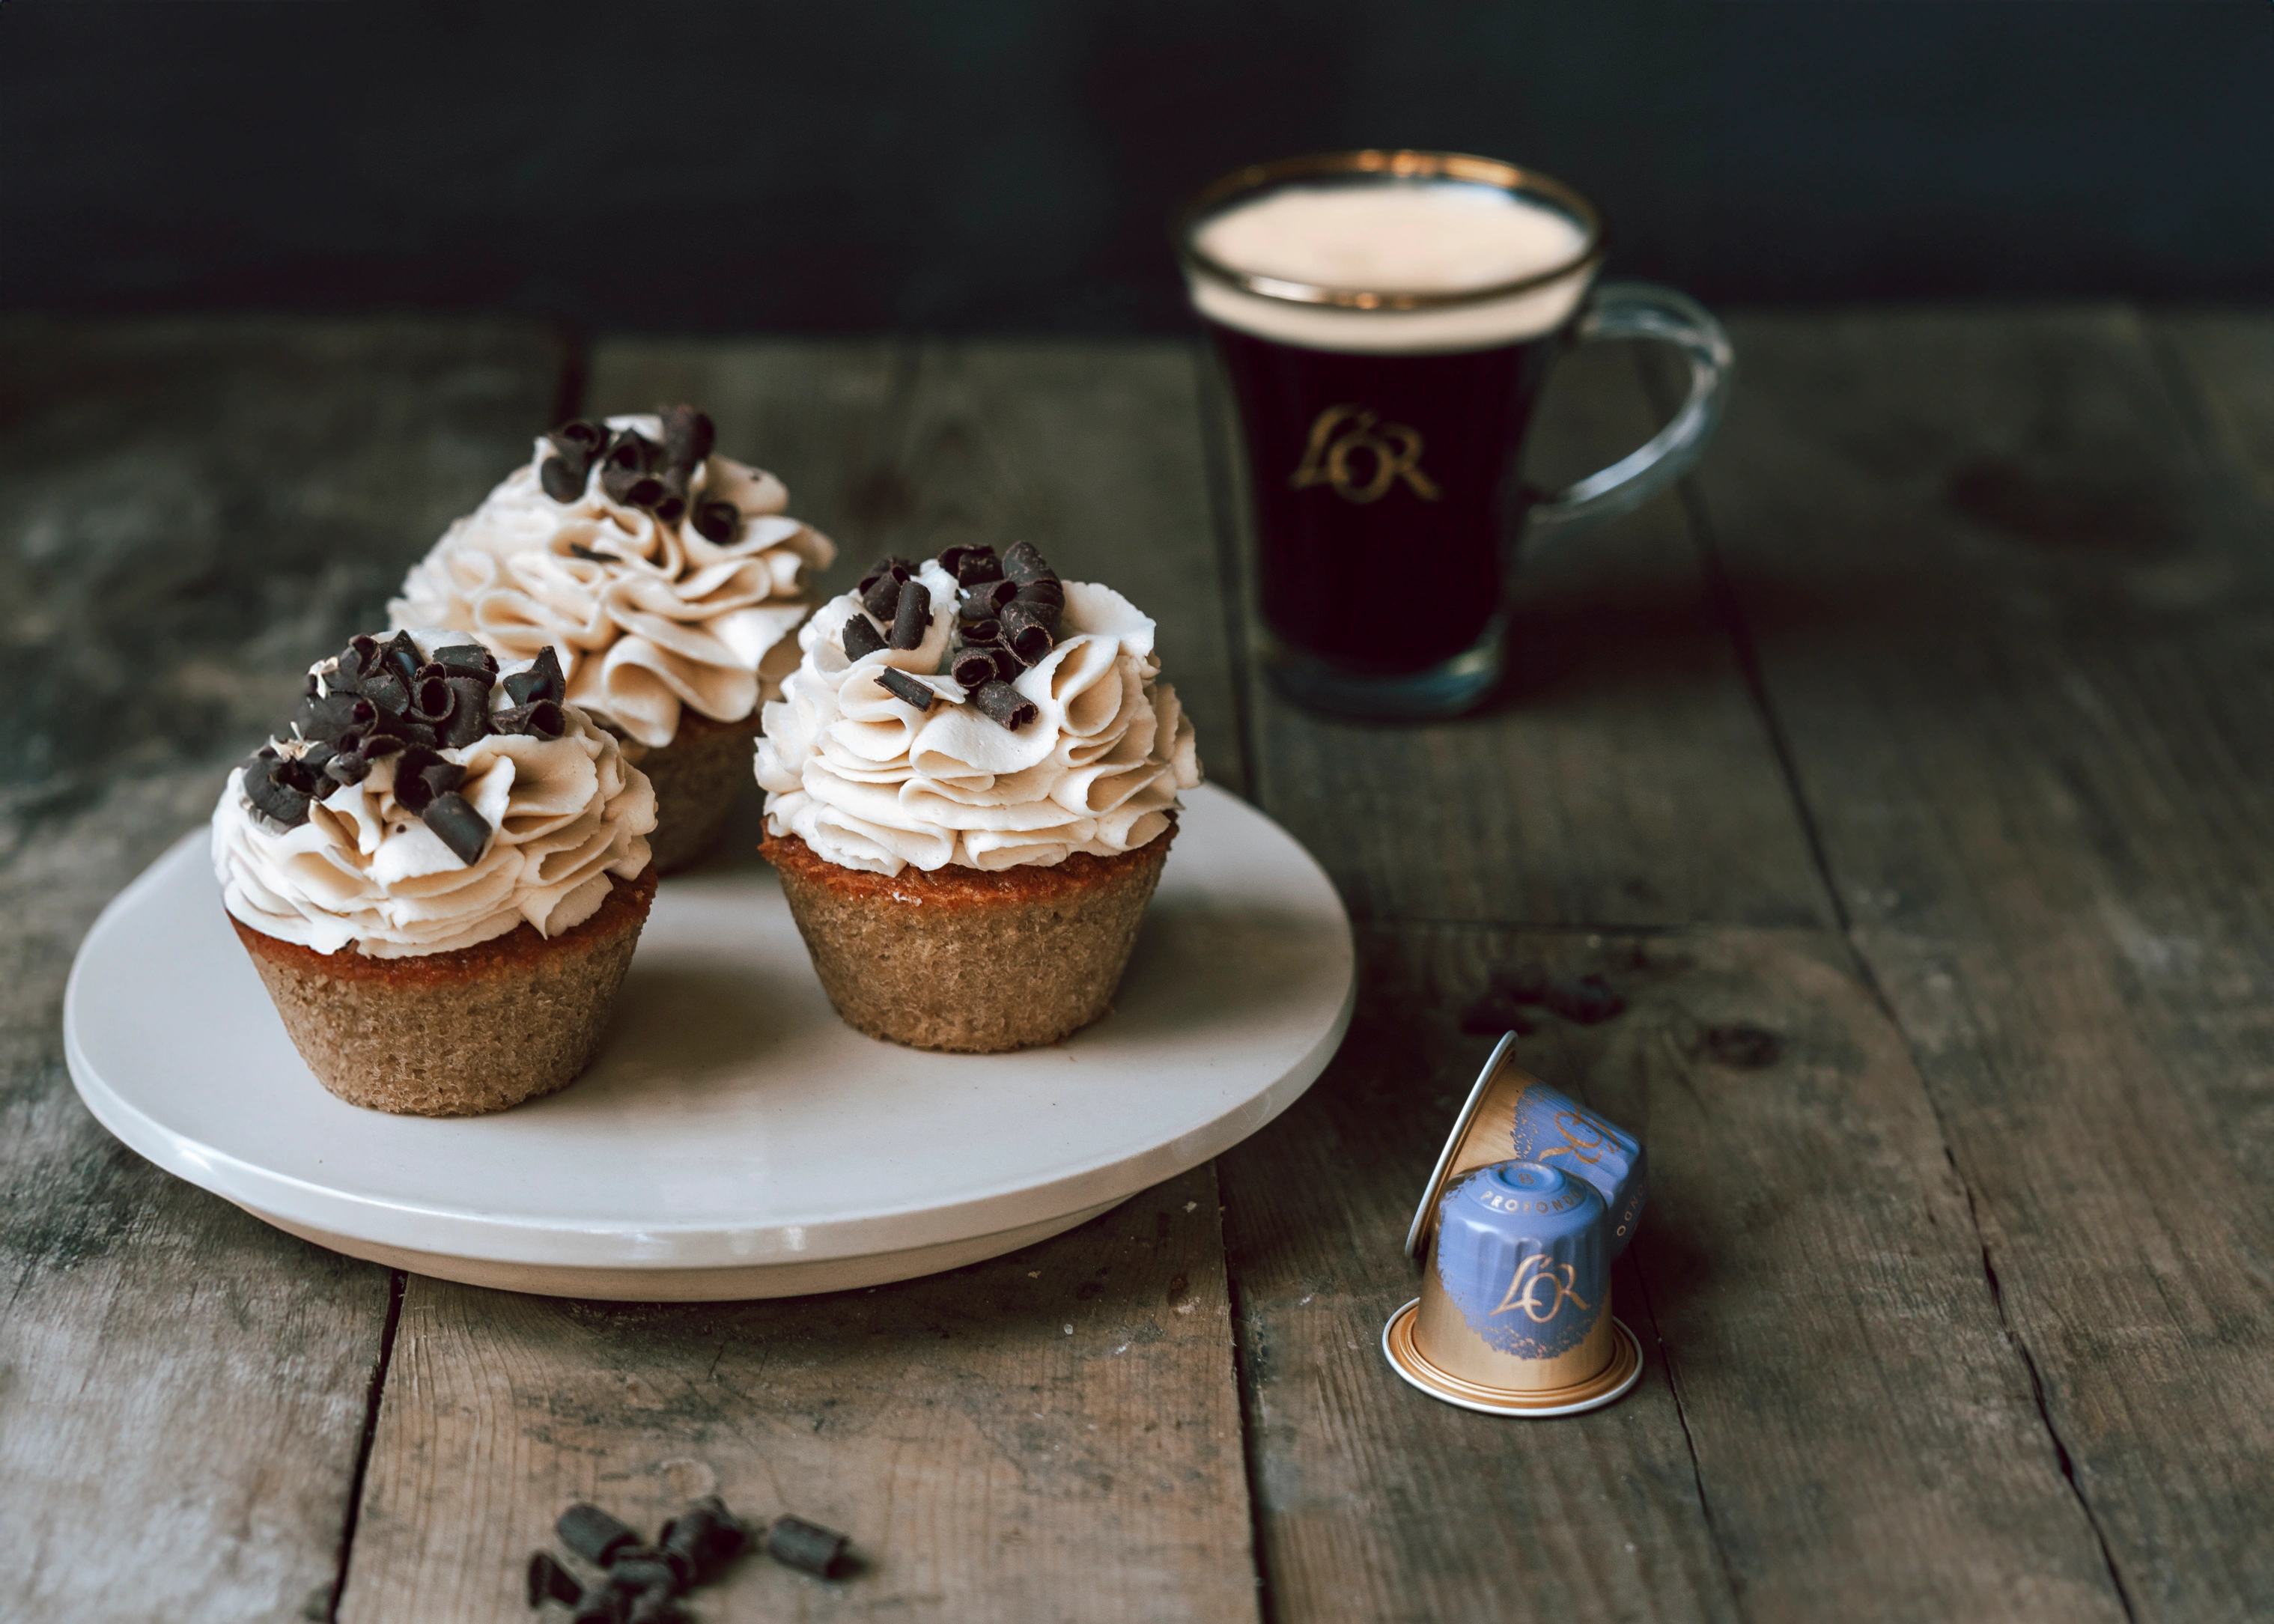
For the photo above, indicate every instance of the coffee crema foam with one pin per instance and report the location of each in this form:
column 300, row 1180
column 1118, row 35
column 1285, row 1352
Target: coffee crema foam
column 1393, row 236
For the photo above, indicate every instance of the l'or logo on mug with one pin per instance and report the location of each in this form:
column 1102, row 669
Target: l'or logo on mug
column 1392, row 452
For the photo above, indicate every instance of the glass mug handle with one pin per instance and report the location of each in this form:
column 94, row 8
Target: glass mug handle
column 1642, row 310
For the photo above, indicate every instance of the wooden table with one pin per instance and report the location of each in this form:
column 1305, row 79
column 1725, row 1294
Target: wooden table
column 1932, row 730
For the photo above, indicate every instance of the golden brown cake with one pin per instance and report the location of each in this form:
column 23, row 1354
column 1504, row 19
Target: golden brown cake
column 971, row 787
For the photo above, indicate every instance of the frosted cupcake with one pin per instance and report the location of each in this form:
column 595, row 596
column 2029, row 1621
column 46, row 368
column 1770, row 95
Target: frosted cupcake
column 971, row 786
column 669, row 581
column 440, row 871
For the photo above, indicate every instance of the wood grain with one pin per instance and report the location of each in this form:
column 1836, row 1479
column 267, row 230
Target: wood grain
column 1053, row 1434
column 195, row 511
column 2014, row 625
column 1623, row 776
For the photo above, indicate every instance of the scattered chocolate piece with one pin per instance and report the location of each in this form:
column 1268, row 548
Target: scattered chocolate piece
column 593, row 1534
column 717, row 521
column 1587, row 1000
column 900, row 685
column 267, row 786
column 542, row 681
column 644, row 1568
column 465, row 659
column 707, row 1534
column 579, row 438
column 1744, row 1047
column 912, row 619
column 972, row 665
column 603, row 1604
column 549, row 1581
column 655, row 1607
column 562, row 479
column 976, row 565
column 1023, row 564
column 1494, row 1013
column 331, row 716
column 1001, row 702
column 539, row 719
column 806, row 1546
column 1028, row 630
column 861, row 638
column 688, row 436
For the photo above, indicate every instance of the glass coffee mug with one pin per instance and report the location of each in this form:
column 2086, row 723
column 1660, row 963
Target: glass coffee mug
column 1386, row 320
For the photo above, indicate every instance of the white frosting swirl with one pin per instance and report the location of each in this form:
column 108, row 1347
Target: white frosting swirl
column 657, row 617
column 564, row 814
column 870, row 782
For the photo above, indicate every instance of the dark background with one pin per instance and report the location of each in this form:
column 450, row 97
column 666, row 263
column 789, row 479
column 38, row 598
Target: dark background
column 1007, row 165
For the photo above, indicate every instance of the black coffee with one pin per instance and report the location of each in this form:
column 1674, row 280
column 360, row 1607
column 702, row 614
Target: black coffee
column 1380, row 487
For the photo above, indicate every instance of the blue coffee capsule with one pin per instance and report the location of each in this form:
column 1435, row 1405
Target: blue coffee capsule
column 1511, row 1114
column 1518, row 1292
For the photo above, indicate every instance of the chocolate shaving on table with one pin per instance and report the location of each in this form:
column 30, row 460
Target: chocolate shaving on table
column 593, row 1534
column 540, row 719
column 1023, row 564
column 861, row 638
column 976, row 565
column 972, row 665
column 644, row 1568
column 542, row 681
column 458, row 825
column 563, row 480
column 900, row 685
column 707, row 1534
column 688, row 436
column 267, row 786
column 807, row 1546
column 912, row 618
column 655, row 1605
column 1029, row 630
column 549, row 1581
column 465, row 659
column 331, row 716
column 717, row 521
column 1001, row 702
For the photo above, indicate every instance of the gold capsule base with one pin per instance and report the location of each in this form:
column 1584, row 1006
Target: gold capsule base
column 1606, row 1386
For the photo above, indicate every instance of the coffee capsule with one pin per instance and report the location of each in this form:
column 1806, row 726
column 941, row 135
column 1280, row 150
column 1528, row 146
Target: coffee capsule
column 1515, row 1313
column 1512, row 1114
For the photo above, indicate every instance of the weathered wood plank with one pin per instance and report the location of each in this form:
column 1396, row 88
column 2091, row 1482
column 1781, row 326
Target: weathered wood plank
column 2014, row 626
column 191, row 513
column 1622, row 778
column 1089, row 450
column 1052, row 1434
column 993, row 1464
column 2226, row 360
column 1847, row 1432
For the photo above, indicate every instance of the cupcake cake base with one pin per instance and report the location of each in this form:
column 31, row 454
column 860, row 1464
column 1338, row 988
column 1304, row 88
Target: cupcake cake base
column 461, row 1032
column 966, row 960
column 697, row 777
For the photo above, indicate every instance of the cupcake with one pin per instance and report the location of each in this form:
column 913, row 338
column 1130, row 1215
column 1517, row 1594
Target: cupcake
column 440, row 871
column 971, row 786
column 669, row 581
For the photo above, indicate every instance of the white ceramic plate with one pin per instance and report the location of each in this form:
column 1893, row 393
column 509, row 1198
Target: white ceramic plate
column 734, row 1137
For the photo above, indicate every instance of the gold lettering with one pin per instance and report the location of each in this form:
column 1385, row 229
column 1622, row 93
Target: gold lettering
column 1386, row 453
column 1572, row 1124
column 1534, row 1274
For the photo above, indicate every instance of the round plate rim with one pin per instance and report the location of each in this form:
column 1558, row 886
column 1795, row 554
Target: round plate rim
column 1515, row 1408
column 544, row 1241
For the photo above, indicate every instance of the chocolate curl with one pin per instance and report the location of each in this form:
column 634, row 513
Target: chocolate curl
column 541, row 681
column 378, row 744
column 672, row 506
column 579, row 439
column 892, row 564
column 1023, row 564
column 542, row 719
column 363, row 651
column 393, row 724
column 430, row 698
column 348, row 767
column 806, row 1546
column 629, row 457
column 387, row 691
column 331, row 716
column 563, row 480
column 882, row 596
column 549, row 1581
column 717, row 521
column 593, row 1534
column 985, row 630
column 973, row 665
column 977, row 565
column 401, row 657
column 912, row 619
column 422, row 775
column 465, row 659
column 456, row 823
column 861, row 638
column 707, row 1534
column 1050, row 591
column 269, row 786
column 1001, row 702
column 900, row 685
column 987, row 597
column 1028, row 630
column 470, row 712
column 688, row 436
column 655, row 1605
column 604, row 1603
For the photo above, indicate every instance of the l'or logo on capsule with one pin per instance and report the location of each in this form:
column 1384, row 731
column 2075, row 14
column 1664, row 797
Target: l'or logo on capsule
column 1534, row 1275
column 1571, row 1124
column 1386, row 453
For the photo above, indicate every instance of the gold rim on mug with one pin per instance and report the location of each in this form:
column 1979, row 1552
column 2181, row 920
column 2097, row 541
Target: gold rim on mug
column 1397, row 165
column 1608, row 1385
